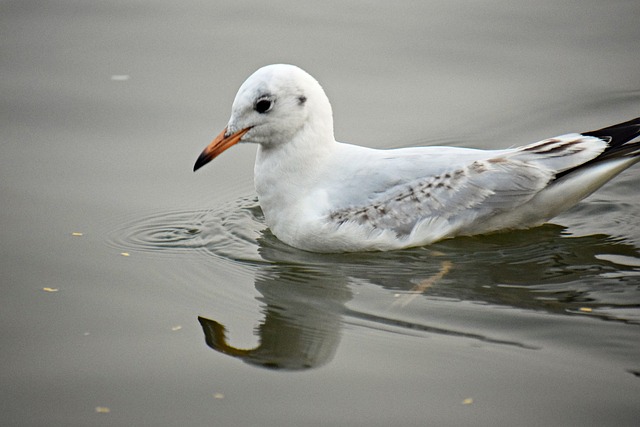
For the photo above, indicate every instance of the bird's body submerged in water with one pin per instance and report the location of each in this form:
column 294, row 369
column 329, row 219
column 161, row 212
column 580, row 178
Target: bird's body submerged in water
column 321, row 195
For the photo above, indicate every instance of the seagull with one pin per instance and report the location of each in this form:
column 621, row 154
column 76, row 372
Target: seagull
column 321, row 195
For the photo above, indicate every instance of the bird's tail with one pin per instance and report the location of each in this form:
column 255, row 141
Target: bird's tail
column 620, row 138
column 623, row 141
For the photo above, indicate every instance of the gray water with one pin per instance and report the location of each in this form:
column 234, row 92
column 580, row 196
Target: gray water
column 135, row 292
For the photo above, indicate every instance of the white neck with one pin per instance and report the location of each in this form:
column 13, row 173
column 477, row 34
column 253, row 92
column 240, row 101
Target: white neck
column 286, row 172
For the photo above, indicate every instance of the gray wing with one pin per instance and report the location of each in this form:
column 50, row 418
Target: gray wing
column 481, row 188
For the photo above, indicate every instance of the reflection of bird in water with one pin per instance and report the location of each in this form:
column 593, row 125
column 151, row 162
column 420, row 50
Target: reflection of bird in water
column 302, row 321
column 324, row 196
column 284, row 344
column 309, row 297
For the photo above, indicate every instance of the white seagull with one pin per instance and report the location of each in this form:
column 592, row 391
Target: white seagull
column 321, row 195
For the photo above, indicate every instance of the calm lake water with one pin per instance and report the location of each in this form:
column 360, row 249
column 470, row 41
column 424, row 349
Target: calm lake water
column 135, row 292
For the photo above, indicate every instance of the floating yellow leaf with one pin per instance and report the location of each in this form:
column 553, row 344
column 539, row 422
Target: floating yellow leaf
column 76, row 233
column 586, row 309
column 176, row 328
column 467, row 401
column 218, row 396
column 124, row 253
column 102, row 410
column 50, row 289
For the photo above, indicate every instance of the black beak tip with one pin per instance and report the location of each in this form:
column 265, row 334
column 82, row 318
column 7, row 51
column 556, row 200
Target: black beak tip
column 202, row 160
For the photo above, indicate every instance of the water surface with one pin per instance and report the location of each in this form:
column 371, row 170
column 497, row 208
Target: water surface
column 138, row 293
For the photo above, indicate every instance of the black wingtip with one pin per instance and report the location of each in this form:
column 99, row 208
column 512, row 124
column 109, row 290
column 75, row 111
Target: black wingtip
column 619, row 134
column 617, row 138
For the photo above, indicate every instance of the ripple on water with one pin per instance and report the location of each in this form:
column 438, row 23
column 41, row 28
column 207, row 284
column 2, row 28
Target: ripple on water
column 230, row 231
column 547, row 263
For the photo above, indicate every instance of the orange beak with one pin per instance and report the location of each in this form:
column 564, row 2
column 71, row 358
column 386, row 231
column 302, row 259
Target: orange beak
column 217, row 146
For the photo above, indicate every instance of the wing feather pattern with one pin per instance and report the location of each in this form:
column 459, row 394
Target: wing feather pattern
column 476, row 190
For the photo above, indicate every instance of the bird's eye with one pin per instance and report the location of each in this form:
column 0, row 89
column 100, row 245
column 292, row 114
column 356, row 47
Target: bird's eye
column 263, row 105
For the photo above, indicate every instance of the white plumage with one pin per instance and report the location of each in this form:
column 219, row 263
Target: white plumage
column 321, row 195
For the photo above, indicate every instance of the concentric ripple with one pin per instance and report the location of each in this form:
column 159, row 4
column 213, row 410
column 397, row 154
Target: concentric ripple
column 230, row 231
